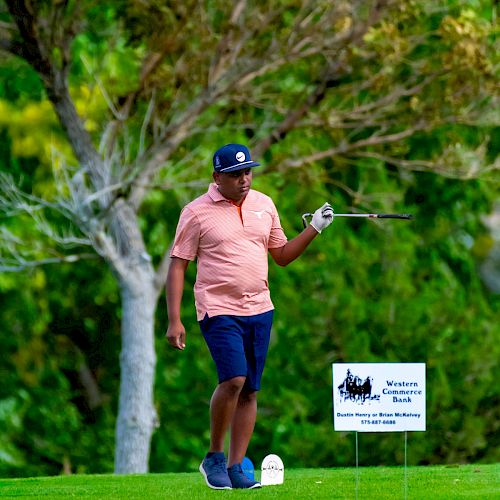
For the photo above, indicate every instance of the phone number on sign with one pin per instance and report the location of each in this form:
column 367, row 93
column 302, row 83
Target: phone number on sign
column 378, row 422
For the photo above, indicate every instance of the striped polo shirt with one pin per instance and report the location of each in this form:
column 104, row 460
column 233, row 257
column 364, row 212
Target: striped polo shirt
column 231, row 251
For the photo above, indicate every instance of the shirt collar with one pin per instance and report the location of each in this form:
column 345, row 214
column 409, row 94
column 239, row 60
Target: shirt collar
column 216, row 195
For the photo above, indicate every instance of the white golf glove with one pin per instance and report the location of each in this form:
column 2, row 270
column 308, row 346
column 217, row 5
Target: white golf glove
column 323, row 217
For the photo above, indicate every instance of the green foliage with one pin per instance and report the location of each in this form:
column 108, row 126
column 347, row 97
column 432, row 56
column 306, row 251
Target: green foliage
column 53, row 336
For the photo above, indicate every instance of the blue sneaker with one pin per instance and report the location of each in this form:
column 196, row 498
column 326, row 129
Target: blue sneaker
column 214, row 471
column 238, row 478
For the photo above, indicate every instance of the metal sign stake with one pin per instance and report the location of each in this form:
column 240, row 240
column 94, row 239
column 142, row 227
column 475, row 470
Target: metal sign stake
column 406, row 461
column 357, row 466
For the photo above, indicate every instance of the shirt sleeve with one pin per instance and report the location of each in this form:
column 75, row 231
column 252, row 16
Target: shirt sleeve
column 187, row 236
column 277, row 237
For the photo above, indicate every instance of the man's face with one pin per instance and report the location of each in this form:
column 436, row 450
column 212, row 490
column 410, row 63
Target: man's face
column 234, row 185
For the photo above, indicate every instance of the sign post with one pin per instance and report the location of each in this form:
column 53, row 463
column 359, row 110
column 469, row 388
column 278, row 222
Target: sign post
column 379, row 397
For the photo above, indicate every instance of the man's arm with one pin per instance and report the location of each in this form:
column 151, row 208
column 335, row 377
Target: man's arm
column 293, row 248
column 322, row 218
column 176, row 334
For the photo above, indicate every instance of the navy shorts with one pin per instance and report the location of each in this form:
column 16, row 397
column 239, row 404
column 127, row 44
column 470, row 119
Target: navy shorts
column 238, row 345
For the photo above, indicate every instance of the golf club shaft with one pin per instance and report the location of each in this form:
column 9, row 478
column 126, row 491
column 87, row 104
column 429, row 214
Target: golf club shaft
column 372, row 216
column 377, row 216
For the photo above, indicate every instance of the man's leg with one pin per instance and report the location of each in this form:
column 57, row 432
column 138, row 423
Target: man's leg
column 256, row 341
column 241, row 431
column 242, row 425
column 223, row 408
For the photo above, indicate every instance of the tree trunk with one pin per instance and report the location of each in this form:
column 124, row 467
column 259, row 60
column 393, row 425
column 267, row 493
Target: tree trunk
column 137, row 417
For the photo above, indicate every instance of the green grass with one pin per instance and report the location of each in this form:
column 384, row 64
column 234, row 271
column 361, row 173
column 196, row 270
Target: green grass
column 446, row 482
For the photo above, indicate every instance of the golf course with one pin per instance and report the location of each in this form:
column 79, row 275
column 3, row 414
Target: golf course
column 384, row 483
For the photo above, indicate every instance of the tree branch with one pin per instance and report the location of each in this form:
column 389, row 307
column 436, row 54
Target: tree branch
column 236, row 77
column 330, row 79
column 38, row 55
column 366, row 111
column 178, row 130
column 126, row 241
column 346, row 147
column 150, row 64
column 19, row 264
column 229, row 47
column 452, row 164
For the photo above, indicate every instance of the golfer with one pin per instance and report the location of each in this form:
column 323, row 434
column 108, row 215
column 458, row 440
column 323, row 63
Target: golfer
column 229, row 230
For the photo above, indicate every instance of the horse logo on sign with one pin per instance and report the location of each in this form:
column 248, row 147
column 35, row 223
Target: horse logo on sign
column 357, row 390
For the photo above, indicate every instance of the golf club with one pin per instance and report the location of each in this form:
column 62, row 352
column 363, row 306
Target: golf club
column 373, row 216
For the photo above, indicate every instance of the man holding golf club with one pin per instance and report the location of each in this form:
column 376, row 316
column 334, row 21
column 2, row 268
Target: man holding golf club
column 230, row 230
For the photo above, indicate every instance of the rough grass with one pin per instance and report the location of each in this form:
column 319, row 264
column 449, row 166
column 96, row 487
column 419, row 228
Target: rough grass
column 371, row 483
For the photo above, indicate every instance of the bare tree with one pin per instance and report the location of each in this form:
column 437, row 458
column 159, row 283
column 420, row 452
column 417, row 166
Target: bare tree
column 210, row 67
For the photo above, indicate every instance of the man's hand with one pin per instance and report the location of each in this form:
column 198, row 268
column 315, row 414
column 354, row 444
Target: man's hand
column 176, row 335
column 323, row 217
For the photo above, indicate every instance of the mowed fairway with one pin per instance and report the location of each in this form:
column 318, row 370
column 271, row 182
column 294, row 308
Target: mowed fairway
column 446, row 482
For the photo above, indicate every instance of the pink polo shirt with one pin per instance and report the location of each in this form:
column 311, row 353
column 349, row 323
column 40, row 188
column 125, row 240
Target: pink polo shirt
column 231, row 251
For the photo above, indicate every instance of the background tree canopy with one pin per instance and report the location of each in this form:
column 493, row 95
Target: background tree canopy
column 371, row 105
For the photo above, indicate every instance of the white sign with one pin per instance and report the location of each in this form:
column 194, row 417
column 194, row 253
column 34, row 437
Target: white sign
column 272, row 471
column 379, row 397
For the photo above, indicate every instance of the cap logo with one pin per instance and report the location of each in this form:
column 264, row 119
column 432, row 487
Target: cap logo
column 240, row 156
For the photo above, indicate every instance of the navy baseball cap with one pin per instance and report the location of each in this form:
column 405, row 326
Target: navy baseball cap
column 233, row 157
